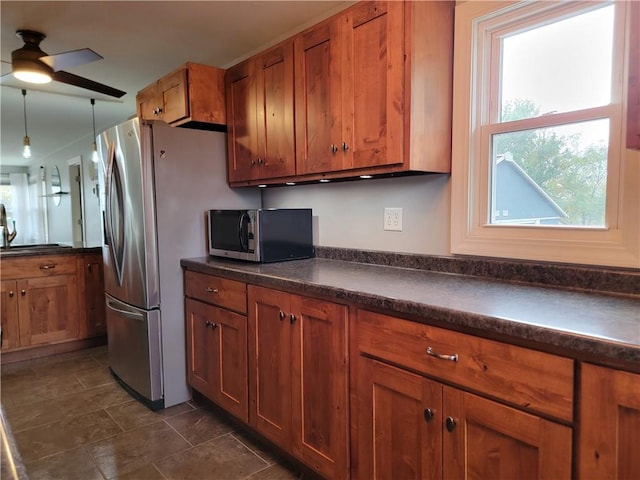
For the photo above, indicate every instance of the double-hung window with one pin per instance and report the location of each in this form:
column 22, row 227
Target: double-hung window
column 539, row 167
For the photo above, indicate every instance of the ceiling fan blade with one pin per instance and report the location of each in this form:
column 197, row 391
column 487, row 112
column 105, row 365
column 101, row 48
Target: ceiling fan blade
column 71, row 79
column 70, row 59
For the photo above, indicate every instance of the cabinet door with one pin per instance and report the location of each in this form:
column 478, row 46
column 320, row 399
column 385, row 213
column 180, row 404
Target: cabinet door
column 148, row 103
column 9, row 315
column 269, row 364
column 399, row 424
column 484, row 439
column 48, row 309
column 276, row 150
column 242, row 126
column 174, row 96
column 230, row 362
column 373, row 92
column 201, row 341
column 319, row 385
column 609, row 424
column 96, row 318
column 318, row 79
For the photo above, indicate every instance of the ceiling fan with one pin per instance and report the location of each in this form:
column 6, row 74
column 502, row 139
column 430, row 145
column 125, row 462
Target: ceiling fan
column 31, row 64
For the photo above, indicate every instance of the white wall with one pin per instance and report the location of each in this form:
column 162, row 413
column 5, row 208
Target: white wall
column 59, row 217
column 350, row 214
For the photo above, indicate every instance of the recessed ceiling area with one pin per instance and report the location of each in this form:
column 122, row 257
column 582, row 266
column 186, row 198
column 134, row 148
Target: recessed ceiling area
column 140, row 42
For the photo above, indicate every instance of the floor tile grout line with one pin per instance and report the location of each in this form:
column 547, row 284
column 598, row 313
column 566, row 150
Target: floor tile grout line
column 179, row 434
column 251, row 449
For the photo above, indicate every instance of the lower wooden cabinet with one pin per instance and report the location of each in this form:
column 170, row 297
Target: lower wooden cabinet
column 40, row 302
column 413, row 423
column 298, row 379
column 91, row 294
column 51, row 300
column 609, row 424
column 217, row 355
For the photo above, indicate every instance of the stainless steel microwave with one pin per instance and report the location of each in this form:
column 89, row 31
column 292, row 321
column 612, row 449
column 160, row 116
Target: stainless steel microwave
column 261, row 235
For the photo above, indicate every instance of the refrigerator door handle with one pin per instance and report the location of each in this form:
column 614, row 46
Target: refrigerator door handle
column 125, row 313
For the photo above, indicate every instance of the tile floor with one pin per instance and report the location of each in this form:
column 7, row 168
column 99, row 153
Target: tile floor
column 72, row 421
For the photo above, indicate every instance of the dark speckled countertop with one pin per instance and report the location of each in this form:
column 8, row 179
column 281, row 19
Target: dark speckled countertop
column 583, row 324
column 45, row 249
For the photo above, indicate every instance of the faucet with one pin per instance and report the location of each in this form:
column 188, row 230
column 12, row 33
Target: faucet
column 7, row 237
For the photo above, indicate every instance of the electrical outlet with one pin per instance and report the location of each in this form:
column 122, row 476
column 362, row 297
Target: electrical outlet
column 393, row 219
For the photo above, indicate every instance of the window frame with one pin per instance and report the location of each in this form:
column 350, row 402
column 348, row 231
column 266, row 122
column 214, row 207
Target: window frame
column 618, row 243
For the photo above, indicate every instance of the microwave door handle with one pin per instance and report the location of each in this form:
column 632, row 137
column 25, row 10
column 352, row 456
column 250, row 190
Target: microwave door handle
column 243, row 234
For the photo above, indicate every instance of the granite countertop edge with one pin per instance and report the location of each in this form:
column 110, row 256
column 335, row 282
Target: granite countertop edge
column 17, row 251
column 588, row 342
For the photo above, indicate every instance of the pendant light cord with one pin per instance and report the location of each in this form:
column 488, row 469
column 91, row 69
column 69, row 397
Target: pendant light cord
column 24, row 105
column 93, row 114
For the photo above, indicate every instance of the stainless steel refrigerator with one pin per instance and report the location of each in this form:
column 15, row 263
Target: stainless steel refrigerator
column 158, row 183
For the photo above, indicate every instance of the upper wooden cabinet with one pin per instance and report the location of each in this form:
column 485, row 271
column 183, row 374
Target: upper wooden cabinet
column 350, row 90
column 373, row 93
column 190, row 94
column 260, row 116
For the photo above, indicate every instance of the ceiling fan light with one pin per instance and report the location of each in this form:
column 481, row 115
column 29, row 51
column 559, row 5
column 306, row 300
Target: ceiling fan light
column 32, row 76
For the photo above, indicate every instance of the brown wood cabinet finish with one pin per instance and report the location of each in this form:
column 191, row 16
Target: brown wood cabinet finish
column 91, row 294
column 609, row 432
column 42, row 301
column 298, row 377
column 411, row 426
column 260, row 116
column 216, row 290
column 534, row 381
column 190, row 93
column 217, row 356
column 373, row 95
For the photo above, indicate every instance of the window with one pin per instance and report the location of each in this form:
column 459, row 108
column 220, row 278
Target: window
column 539, row 171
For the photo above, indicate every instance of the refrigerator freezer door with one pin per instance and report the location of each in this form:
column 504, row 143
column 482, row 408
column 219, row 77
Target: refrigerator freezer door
column 134, row 349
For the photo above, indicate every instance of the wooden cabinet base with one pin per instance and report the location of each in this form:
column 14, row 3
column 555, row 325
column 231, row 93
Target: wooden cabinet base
column 51, row 349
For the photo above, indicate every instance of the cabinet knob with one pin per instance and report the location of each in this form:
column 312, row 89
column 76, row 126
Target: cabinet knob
column 10, row 293
column 345, row 147
column 208, row 324
column 157, row 111
column 450, row 424
column 334, row 149
column 260, row 161
column 23, row 292
column 211, row 290
column 428, row 414
column 292, row 318
column 452, row 358
column 281, row 314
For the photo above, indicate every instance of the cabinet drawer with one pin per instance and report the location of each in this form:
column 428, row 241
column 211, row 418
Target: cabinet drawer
column 39, row 266
column 533, row 380
column 218, row 291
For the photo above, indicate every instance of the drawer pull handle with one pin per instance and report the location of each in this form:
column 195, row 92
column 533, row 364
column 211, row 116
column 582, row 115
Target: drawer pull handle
column 48, row 266
column 450, row 424
column 431, row 353
column 211, row 290
column 428, row 414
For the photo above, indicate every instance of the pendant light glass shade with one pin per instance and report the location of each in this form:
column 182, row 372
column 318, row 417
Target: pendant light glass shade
column 94, row 146
column 26, row 151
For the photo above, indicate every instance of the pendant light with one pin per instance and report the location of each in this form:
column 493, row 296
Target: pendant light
column 94, row 155
column 26, row 151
